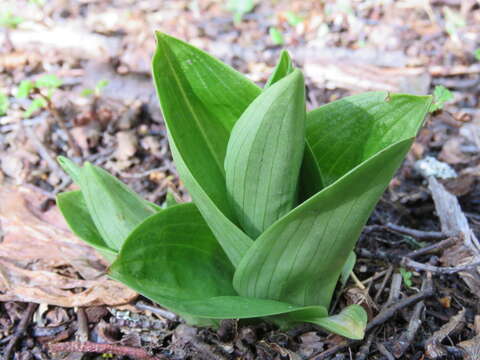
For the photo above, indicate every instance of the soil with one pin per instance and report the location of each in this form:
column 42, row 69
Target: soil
column 420, row 294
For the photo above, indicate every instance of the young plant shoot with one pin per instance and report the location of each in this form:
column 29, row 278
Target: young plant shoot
column 280, row 195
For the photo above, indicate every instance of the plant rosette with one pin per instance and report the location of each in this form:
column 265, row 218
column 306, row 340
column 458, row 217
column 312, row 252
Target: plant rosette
column 280, row 195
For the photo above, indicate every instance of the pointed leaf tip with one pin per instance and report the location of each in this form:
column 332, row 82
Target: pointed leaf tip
column 264, row 155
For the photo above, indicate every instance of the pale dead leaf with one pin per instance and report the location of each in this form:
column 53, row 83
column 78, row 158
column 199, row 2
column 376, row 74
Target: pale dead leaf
column 452, row 151
column 42, row 261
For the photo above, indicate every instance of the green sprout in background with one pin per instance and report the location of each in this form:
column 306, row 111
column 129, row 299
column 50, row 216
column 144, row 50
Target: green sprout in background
column 240, row 8
column 441, row 95
column 9, row 20
column 40, row 91
column 4, row 103
column 280, row 195
column 476, row 54
column 96, row 91
column 407, row 277
column 276, row 36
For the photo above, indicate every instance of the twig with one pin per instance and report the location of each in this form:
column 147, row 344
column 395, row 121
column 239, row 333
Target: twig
column 398, row 347
column 61, row 122
column 433, row 346
column 454, row 70
column 383, row 350
column 364, row 350
column 91, row 347
column 395, row 288
column 383, row 316
column 82, row 325
column 162, row 312
column 390, row 311
column 418, row 234
column 20, row 330
column 441, row 245
column 142, row 174
column 384, row 283
column 448, row 270
column 43, row 152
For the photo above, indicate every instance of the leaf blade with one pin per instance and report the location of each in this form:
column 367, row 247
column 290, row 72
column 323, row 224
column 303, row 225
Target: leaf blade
column 305, row 271
column 213, row 96
column 283, row 68
column 74, row 209
column 264, row 155
column 346, row 132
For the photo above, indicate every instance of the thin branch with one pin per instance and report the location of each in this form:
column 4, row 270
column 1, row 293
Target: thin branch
column 20, row 330
column 441, row 245
column 91, row 347
column 437, row 269
column 61, row 122
column 418, row 234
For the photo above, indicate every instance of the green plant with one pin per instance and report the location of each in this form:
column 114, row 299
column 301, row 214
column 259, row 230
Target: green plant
column 39, row 91
column 441, row 95
column 99, row 86
column 4, row 104
column 407, row 277
column 476, row 54
column 240, row 8
column 280, row 196
column 276, row 36
column 10, row 20
column 293, row 19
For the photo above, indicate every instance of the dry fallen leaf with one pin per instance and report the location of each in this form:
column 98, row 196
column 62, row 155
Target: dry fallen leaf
column 42, row 261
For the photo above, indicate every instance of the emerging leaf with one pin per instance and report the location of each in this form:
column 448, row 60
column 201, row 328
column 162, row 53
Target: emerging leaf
column 265, row 153
column 282, row 69
column 201, row 100
column 114, row 208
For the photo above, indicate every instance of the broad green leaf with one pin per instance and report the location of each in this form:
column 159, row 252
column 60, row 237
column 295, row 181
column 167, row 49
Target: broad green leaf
column 265, row 153
column 350, row 322
column 114, row 208
column 70, row 168
column 201, row 99
column 73, row 208
column 300, row 257
column 282, row 69
column 346, row 132
column 310, row 181
column 348, row 268
column 173, row 259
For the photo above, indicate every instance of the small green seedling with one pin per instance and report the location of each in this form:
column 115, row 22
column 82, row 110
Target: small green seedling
column 97, row 91
column 10, row 20
column 453, row 22
column 240, row 8
column 407, row 277
column 476, row 54
column 293, row 19
column 441, row 95
column 4, row 104
column 276, row 36
column 280, row 195
column 40, row 91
